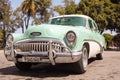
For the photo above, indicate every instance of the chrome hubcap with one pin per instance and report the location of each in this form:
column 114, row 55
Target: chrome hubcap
column 85, row 59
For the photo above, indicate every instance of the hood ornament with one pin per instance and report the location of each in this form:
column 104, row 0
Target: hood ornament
column 35, row 33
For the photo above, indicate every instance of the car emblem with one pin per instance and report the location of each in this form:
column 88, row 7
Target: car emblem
column 35, row 33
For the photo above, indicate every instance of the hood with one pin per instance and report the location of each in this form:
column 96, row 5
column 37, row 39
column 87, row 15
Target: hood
column 49, row 31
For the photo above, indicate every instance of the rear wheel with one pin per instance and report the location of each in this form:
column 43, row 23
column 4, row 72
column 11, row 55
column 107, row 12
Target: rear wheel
column 23, row 66
column 99, row 56
column 81, row 65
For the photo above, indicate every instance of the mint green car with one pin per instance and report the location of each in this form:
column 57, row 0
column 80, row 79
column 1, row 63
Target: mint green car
column 65, row 39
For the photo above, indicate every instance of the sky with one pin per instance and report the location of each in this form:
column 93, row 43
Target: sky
column 16, row 3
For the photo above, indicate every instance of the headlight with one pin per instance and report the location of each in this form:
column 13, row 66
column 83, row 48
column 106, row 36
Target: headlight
column 71, row 38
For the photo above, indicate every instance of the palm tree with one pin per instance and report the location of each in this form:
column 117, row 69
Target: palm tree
column 29, row 8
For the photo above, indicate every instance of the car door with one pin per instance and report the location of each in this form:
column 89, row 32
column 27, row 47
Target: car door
column 99, row 38
column 94, row 46
column 97, row 33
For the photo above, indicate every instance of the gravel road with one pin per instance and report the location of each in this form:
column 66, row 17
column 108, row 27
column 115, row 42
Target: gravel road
column 106, row 69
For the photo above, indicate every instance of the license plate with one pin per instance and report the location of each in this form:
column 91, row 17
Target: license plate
column 31, row 59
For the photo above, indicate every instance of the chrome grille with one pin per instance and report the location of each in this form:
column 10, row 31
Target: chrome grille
column 38, row 46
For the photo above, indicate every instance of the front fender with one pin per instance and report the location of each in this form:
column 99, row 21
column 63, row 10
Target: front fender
column 78, row 46
column 17, row 37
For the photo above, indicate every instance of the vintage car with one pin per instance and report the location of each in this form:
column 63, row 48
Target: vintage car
column 66, row 39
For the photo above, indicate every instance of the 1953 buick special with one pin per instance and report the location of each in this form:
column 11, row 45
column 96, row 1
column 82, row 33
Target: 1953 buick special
column 65, row 39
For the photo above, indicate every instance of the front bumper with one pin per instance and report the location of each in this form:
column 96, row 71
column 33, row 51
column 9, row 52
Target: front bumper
column 51, row 51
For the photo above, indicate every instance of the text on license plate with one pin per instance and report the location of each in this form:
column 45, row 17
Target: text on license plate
column 32, row 59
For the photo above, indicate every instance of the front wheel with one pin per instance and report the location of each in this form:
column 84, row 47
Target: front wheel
column 23, row 66
column 81, row 65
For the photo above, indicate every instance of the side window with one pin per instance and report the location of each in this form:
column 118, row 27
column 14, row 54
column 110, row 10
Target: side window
column 90, row 24
column 95, row 26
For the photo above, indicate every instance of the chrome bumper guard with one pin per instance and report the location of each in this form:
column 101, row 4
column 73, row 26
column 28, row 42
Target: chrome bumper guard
column 49, row 50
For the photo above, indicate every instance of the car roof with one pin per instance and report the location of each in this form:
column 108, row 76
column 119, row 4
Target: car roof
column 73, row 15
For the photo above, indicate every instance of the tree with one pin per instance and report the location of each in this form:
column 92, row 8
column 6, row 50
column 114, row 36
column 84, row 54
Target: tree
column 108, row 39
column 105, row 13
column 115, row 1
column 59, row 9
column 6, row 20
column 19, row 19
column 68, row 8
column 37, row 9
column 29, row 8
column 116, row 40
column 1, row 34
column 95, row 10
column 113, row 16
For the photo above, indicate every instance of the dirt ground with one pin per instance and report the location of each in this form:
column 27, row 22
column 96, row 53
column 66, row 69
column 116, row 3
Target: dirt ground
column 106, row 69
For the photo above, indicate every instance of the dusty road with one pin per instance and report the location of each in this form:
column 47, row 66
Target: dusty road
column 106, row 69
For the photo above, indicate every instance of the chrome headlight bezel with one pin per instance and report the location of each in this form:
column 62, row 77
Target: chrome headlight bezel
column 71, row 38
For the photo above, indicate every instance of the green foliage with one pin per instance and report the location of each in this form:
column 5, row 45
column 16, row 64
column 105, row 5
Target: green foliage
column 59, row 9
column 116, row 38
column 105, row 13
column 108, row 39
column 68, row 8
column 115, row 1
column 1, row 34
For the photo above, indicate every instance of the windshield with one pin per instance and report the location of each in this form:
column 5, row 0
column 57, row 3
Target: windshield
column 73, row 21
